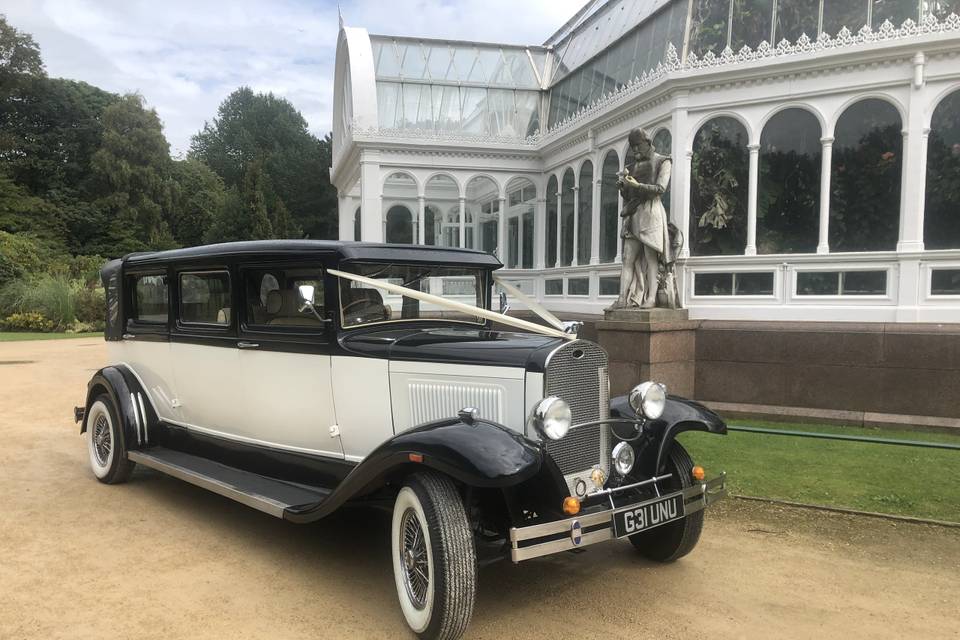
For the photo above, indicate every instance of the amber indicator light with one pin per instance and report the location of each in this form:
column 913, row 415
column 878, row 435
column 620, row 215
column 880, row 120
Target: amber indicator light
column 698, row 473
column 571, row 506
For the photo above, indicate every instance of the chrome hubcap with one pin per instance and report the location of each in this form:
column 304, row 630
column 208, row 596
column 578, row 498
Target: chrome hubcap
column 101, row 439
column 416, row 565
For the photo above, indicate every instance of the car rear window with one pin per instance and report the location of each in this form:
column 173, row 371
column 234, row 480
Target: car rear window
column 205, row 298
column 150, row 301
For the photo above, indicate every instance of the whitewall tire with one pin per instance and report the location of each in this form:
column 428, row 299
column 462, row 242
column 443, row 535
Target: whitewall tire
column 105, row 446
column 434, row 559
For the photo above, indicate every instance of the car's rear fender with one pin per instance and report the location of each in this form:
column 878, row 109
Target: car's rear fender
column 130, row 400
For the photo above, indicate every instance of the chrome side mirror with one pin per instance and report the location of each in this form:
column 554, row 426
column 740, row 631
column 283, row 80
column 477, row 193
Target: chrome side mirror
column 306, row 292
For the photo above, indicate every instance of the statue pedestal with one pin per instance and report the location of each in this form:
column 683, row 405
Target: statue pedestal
column 649, row 344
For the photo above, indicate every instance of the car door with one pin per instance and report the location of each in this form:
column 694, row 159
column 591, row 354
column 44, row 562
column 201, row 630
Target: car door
column 203, row 349
column 284, row 360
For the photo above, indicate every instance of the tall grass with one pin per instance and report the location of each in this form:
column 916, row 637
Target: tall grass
column 51, row 295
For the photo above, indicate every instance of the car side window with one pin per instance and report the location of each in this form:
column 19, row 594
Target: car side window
column 284, row 297
column 205, row 298
column 150, row 301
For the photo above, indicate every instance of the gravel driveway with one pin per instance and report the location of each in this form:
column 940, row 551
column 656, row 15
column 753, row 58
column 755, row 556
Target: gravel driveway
column 157, row 558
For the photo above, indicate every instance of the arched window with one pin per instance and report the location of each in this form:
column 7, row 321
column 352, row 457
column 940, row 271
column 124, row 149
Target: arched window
column 521, row 198
column 941, row 217
column 356, row 225
column 431, row 224
column 718, row 188
column 609, row 216
column 399, row 189
column 441, row 194
column 865, row 178
column 551, row 243
column 788, row 196
column 399, row 225
column 585, row 215
column 663, row 144
column 483, row 213
column 566, row 218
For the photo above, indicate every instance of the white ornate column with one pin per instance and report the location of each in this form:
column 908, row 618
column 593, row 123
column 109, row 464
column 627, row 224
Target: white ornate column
column 595, row 212
column 502, row 231
column 345, row 217
column 680, row 171
column 559, row 227
column 421, row 220
column 575, row 257
column 683, row 202
column 619, row 257
column 540, row 234
column 371, row 205
column 826, row 164
column 463, row 222
column 914, row 166
column 751, row 248
column 911, row 283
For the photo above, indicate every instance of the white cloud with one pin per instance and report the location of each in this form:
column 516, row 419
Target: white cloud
column 186, row 56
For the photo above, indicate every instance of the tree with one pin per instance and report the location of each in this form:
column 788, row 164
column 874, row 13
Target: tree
column 262, row 128
column 131, row 170
column 198, row 197
column 51, row 128
column 19, row 52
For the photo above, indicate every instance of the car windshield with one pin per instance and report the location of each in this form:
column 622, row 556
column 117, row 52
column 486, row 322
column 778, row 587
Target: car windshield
column 362, row 304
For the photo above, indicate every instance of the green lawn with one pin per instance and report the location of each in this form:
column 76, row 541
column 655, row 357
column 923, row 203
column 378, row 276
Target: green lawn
column 907, row 481
column 11, row 336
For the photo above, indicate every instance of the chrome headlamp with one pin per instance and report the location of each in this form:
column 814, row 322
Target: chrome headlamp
column 649, row 399
column 551, row 418
column 623, row 458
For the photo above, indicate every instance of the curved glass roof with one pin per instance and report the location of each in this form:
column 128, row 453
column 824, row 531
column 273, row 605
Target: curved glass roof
column 445, row 61
column 472, row 88
column 497, row 90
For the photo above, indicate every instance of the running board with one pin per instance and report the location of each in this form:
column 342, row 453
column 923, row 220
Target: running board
column 262, row 493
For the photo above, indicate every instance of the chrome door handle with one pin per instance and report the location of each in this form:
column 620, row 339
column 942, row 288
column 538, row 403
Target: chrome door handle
column 248, row 345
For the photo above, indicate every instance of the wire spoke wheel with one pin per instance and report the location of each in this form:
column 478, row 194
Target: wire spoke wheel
column 102, row 442
column 416, row 562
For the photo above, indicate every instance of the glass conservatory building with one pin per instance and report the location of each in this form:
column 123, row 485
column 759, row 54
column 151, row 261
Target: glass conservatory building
column 815, row 148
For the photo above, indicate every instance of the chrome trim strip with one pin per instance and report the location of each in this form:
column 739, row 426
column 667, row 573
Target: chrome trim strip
column 700, row 496
column 136, row 417
column 143, row 412
column 260, row 503
column 612, row 490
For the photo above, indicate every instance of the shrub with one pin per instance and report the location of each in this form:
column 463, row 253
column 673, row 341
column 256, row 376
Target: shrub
column 89, row 304
column 50, row 296
column 86, row 327
column 29, row 321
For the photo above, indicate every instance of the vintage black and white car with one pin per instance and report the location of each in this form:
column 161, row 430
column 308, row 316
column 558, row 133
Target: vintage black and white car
column 299, row 376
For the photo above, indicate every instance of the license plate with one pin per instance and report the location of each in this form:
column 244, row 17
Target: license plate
column 639, row 517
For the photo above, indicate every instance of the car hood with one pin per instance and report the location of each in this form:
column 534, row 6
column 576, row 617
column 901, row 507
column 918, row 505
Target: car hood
column 454, row 345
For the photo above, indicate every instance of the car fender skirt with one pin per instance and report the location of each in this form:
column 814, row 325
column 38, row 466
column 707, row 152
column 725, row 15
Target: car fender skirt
column 679, row 415
column 130, row 400
column 480, row 454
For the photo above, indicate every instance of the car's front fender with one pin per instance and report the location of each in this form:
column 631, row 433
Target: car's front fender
column 656, row 436
column 477, row 453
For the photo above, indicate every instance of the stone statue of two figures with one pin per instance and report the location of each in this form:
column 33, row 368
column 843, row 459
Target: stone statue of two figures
column 650, row 242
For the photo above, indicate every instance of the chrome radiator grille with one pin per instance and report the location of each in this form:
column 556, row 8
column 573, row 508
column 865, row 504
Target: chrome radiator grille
column 577, row 373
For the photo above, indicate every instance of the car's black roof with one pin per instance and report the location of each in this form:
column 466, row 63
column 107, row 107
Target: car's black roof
column 343, row 251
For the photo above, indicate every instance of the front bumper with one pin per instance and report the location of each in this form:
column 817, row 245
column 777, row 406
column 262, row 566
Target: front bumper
column 580, row 531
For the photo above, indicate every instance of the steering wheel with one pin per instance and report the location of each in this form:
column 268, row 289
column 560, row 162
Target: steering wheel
column 376, row 312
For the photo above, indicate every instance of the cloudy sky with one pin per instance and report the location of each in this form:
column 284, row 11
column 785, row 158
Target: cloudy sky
column 186, row 56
